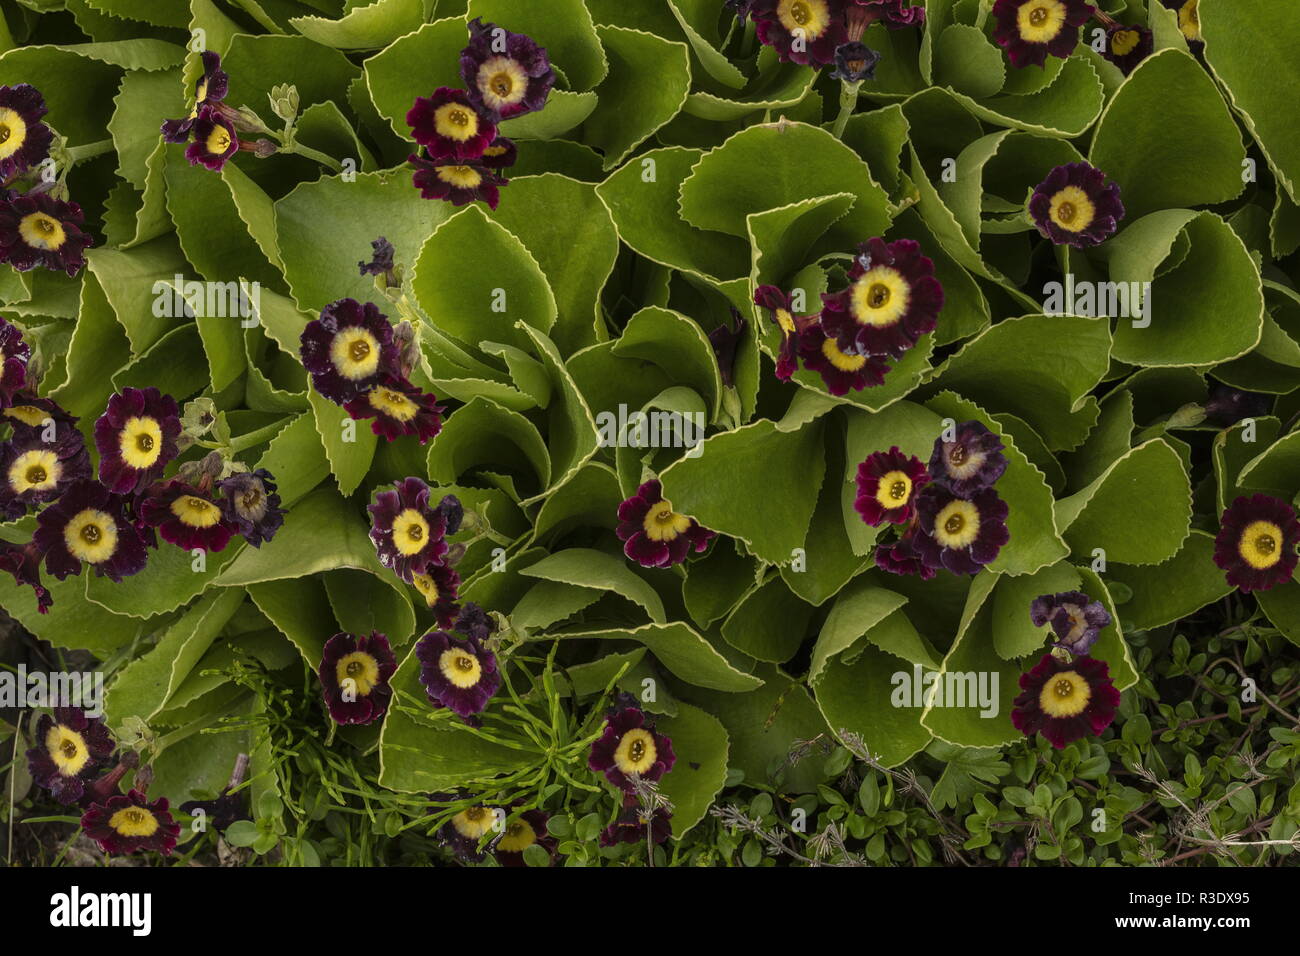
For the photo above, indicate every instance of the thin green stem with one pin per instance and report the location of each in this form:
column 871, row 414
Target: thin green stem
column 89, row 151
column 848, row 103
column 315, row 154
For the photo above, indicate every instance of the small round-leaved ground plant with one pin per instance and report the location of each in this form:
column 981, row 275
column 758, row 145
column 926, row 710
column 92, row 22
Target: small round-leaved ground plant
column 484, row 424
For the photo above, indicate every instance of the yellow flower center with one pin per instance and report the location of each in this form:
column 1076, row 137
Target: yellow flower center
column 218, row 141
column 13, row 132
column 462, row 177
column 518, row 837
column 141, row 442
column 195, row 511
column 1071, row 209
column 359, row 668
column 502, row 82
column 134, row 822
column 91, row 535
column 354, row 353
column 393, row 404
column 455, row 121
column 806, row 18
column 41, row 231
column 1065, row 695
column 661, row 523
column 410, row 532
column 880, row 297
column 840, row 359
column 1261, row 544
column 1189, row 21
column 894, row 489
column 36, row 470
column 424, row 583
column 460, row 667
column 67, row 749
column 957, row 524
column 1123, row 42
column 1039, row 21
column 473, row 822
column 636, row 752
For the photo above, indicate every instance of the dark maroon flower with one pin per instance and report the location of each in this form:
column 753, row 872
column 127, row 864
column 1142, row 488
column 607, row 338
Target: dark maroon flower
column 209, row 89
column 633, row 824
column 215, row 140
column 1127, row 46
column 381, row 260
column 527, row 829
column 24, row 563
column 87, row 524
column 348, row 349
column 187, row 517
column 459, row 182
column 354, row 674
column 408, row 533
column 398, row 408
column 438, row 587
column 654, row 535
column 901, row 557
column 1030, row 30
column 230, row 804
column 457, row 672
column 39, row 230
column 855, row 62
column 1256, row 543
column 251, row 506
column 136, row 438
column 724, row 339
column 70, row 748
column 34, row 471
column 631, row 747
column 130, row 824
column 500, row 155
column 28, row 412
column 24, row 139
column 895, row 14
column 892, row 300
column 842, row 372
column 507, row 74
column 466, row 830
column 801, row 31
column 960, row 534
column 450, row 126
column 1075, row 618
column 1065, row 700
column 475, row 622
column 971, row 462
column 14, row 356
column 780, row 311
column 1076, row 205
column 888, row 482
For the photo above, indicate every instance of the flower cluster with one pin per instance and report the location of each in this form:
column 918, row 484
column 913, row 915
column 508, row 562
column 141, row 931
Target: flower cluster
column 71, row 750
column 38, row 225
column 506, row 75
column 631, row 751
column 213, row 126
column 111, row 523
column 950, row 514
column 466, row 830
column 891, row 300
column 820, row 33
column 354, row 359
column 457, row 669
column 655, row 536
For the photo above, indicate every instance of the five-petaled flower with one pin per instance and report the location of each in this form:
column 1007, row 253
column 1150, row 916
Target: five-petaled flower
column 450, row 126
column 458, row 181
column 1127, row 46
column 188, row 517
column 888, row 482
column 1065, row 700
column 34, row 470
column 1076, row 205
column 251, row 506
column 801, row 31
column 408, row 532
column 215, row 139
column 1030, row 30
column 88, row 525
column 348, row 349
column 39, row 230
column 507, row 74
column 1075, row 618
column 655, row 536
column 968, row 462
column 960, row 534
column 842, row 372
column 24, row 139
column 517, row 835
column 354, row 677
column 136, row 438
column 457, row 672
column 1256, row 543
column 630, row 747
column 70, row 748
column 129, row 823
column 398, row 408
column 892, row 300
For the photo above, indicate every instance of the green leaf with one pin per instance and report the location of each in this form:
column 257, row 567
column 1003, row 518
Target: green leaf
column 682, row 651
column 366, row 26
column 647, row 84
column 587, row 568
column 1014, row 635
column 968, row 62
column 1169, row 149
column 701, row 744
column 769, row 623
column 678, row 344
column 349, row 445
column 856, row 611
column 859, row 697
column 484, row 433
column 416, row 65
